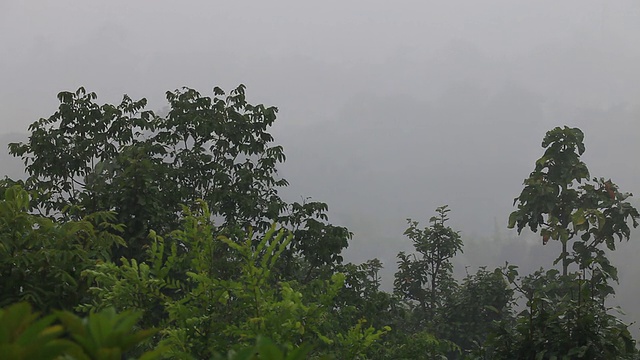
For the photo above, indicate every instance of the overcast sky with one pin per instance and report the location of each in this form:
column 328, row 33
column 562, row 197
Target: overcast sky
column 388, row 109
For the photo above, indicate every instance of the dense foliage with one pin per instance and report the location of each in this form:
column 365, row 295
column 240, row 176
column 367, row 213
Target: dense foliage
column 129, row 220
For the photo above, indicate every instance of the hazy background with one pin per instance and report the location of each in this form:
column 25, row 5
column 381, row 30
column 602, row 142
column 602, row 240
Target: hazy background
column 387, row 109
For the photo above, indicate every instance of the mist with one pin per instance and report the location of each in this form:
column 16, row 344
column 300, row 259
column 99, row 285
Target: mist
column 387, row 110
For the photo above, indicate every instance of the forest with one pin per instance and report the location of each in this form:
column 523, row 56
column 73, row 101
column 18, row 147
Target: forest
column 145, row 236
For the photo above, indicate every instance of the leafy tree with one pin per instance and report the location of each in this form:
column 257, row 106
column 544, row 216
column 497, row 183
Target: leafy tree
column 316, row 245
column 425, row 280
column 361, row 297
column 556, row 200
column 125, row 159
column 566, row 315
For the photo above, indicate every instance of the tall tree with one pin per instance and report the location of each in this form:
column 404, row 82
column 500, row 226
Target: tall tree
column 566, row 315
column 559, row 199
column 88, row 157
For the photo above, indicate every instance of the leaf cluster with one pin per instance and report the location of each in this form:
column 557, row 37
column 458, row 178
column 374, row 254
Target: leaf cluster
column 64, row 336
column 41, row 261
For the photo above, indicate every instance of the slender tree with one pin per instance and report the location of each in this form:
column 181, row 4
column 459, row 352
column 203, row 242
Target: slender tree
column 559, row 199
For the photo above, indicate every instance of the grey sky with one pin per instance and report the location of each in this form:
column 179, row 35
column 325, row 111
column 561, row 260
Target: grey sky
column 388, row 109
column 131, row 47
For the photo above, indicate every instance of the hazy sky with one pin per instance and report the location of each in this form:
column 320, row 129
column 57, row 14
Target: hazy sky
column 387, row 109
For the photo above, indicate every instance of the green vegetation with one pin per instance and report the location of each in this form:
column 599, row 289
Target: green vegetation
column 63, row 335
column 131, row 221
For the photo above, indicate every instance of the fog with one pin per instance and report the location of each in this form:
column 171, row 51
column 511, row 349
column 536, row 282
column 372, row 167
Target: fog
column 387, row 109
